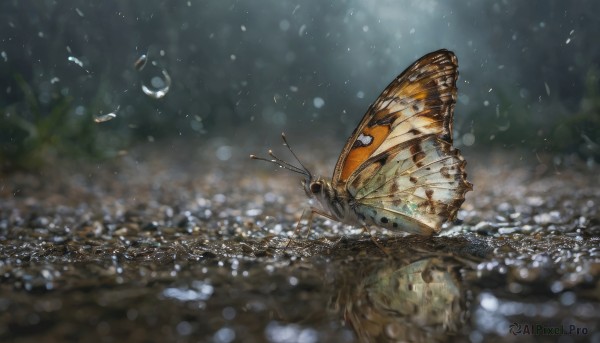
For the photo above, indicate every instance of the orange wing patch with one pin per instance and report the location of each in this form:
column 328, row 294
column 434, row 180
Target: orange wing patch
column 367, row 142
column 418, row 103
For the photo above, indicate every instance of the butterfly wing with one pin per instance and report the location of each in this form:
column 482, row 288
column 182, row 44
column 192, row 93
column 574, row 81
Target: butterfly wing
column 415, row 186
column 417, row 103
column 399, row 164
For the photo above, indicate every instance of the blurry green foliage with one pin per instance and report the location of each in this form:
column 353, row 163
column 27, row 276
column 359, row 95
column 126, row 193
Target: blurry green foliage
column 32, row 133
column 549, row 126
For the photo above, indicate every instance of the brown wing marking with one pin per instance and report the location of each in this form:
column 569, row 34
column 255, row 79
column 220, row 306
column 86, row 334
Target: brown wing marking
column 420, row 183
column 419, row 102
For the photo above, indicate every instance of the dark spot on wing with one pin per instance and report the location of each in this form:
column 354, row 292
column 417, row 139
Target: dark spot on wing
column 429, row 193
column 382, row 159
column 384, row 220
column 444, row 172
column 417, row 154
column 430, row 202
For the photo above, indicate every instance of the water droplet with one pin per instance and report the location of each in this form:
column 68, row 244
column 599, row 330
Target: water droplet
column 184, row 328
column 504, row 127
column 75, row 60
column 302, row 30
column 318, row 102
column 229, row 313
column 284, row 25
column 568, row 41
column 224, row 152
column 161, row 86
column 468, row 139
column 106, row 117
column 243, row 28
column 224, row 335
column 293, row 280
column 360, row 94
column 232, row 57
column 79, row 12
column 253, row 212
column 365, row 28
column 568, row 298
column 489, row 302
column 54, row 80
column 140, row 63
column 412, row 31
column 4, row 56
column 200, row 290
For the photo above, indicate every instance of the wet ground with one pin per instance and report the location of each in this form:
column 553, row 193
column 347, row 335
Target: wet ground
column 172, row 245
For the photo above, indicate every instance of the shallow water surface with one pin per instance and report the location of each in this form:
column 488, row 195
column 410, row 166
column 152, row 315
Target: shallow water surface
column 157, row 247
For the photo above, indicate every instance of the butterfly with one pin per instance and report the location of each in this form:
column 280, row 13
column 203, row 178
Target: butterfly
column 398, row 170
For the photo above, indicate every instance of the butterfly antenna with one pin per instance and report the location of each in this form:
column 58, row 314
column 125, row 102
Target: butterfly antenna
column 307, row 172
column 281, row 163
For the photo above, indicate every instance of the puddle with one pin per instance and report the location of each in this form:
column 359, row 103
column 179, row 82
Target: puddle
column 198, row 254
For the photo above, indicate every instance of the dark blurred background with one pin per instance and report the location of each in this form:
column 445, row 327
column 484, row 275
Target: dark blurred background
column 243, row 71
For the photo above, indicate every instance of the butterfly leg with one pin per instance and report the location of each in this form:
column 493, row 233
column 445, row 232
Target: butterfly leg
column 381, row 247
column 313, row 211
column 299, row 225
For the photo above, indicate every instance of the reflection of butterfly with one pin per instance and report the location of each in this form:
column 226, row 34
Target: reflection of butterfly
column 398, row 169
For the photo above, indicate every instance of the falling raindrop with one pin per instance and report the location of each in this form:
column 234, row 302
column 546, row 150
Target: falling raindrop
column 284, row 25
column 140, row 63
column 504, row 127
column 78, row 62
column 318, row 102
column 468, row 139
column 75, row 60
column 161, row 86
column 224, row 153
column 302, row 30
column 106, row 117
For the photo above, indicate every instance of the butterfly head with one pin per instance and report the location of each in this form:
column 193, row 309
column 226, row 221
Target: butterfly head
column 314, row 188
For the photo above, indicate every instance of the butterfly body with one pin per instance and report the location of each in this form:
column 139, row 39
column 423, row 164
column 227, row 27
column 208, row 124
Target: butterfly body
column 398, row 169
